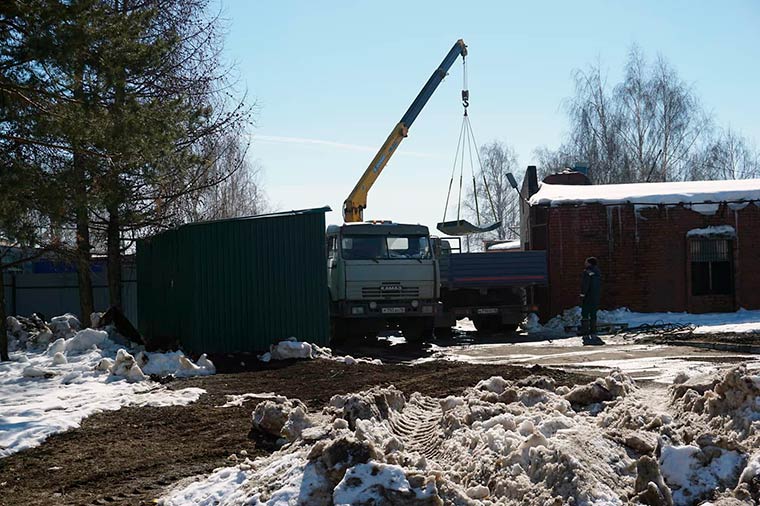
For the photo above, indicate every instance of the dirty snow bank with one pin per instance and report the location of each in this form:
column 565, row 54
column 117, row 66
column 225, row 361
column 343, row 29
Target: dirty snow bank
column 505, row 443
column 716, row 436
column 742, row 321
column 49, row 387
column 292, row 348
column 501, row 442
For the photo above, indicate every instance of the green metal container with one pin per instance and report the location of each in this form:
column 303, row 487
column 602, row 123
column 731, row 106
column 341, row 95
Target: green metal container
column 235, row 285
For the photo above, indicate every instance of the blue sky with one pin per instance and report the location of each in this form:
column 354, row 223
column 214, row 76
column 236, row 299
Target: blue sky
column 331, row 79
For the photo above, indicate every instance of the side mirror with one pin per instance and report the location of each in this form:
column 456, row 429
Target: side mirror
column 333, row 264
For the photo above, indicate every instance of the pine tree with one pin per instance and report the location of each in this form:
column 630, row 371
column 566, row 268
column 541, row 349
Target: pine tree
column 129, row 103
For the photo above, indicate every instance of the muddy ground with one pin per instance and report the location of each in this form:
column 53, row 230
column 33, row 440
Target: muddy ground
column 128, row 457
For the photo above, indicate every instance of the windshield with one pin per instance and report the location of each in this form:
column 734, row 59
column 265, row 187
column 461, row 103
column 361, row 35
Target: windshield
column 381, row 247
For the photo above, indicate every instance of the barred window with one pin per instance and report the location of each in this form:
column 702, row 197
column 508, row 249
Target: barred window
column 710, row 250
column 711, row 267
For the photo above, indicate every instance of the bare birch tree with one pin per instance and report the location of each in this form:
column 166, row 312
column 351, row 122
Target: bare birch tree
column 239, row 191
column 649, row 127
column 498, row 159
column 729, row 156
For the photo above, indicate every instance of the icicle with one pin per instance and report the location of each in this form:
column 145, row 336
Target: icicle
column 736, row 228
column 610, row 231
column 636, row 217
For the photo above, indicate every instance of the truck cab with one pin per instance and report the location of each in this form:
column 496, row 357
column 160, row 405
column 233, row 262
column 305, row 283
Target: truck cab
column 381, row 275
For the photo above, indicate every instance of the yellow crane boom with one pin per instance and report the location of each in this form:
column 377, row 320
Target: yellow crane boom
column 356, row 202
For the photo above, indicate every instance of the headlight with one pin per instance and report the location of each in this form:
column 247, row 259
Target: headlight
column 357, row 310
column 415, row 303
column 373, row 305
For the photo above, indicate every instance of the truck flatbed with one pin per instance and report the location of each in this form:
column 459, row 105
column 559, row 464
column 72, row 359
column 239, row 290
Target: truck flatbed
column 493, row 269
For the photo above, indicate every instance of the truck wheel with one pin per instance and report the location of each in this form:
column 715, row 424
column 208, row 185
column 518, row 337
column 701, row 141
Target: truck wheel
column 418, row 329
column 486, row 324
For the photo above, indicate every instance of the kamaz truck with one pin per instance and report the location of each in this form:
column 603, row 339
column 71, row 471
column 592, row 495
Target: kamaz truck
column 390, row 276
column 381, row 275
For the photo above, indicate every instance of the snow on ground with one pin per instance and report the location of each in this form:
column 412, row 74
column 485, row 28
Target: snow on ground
column 239, row 400
column 49, row 389
column 505, row 442
column 654, row 362
column 292, row 348
column 742, row 321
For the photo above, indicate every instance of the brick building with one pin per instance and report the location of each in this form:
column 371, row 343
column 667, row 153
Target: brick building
column 682, row 246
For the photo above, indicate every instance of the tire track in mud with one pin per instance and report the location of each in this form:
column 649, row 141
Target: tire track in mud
column 418, row 425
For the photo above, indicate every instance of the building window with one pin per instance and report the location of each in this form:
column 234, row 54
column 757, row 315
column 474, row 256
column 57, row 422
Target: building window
column 711, row 267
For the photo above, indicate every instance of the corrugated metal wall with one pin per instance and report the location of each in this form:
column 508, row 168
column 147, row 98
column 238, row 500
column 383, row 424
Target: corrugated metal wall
column 53, row 294
column 236, row 285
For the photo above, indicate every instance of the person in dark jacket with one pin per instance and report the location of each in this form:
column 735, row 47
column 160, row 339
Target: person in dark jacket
column 591, row 289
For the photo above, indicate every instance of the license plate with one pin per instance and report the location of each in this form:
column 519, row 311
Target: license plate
column 488, row 310
column 393, row 310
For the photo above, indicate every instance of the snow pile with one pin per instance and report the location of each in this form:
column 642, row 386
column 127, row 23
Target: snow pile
column 361, row 483
column 692, row 472
column 64, row 326
column 85, row 339
column 531, row 325
column 501, row 442
column 239, row 400
column 175, row 363
column 742, row 321
column 294, row 349
column 569, row 318
column 281, row 417
column 51, row 389
column 26, row 333
column 642, row 194
column 505, row 442
column 712, row 443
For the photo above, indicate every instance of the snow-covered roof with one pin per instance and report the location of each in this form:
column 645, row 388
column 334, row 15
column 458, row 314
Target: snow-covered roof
column 682, row 192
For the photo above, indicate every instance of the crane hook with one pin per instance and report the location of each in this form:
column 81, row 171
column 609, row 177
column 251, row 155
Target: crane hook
column 465, row 91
